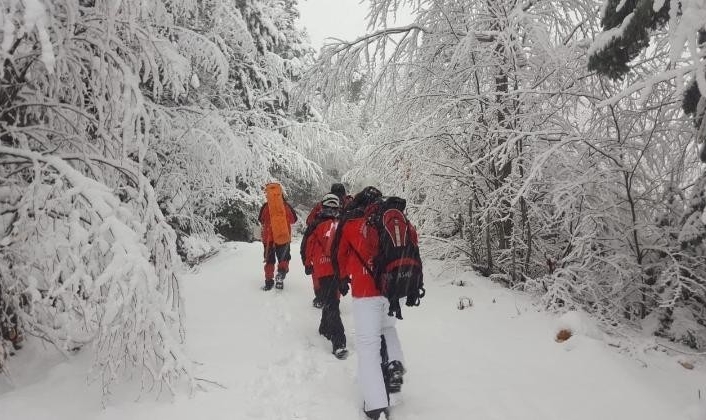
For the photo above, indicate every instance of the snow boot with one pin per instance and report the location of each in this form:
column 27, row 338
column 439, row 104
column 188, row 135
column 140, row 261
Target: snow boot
column 393, row 373
column 279, row 280
column 269, row 283
column 341, row 353
column 377, row 414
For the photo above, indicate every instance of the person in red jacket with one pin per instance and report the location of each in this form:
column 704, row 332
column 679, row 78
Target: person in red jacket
column 355, row 247
column 274, row 253
column 317, row 254
column 339, row 191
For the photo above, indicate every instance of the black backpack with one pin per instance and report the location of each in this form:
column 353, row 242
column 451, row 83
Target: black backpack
column 397, row 267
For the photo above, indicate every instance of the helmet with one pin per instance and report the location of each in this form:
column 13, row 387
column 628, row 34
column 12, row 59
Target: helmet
column 330, row 200
column 339, row 190
column 367, row 196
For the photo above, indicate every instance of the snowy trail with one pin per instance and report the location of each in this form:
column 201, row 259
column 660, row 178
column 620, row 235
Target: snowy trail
column 496, row 360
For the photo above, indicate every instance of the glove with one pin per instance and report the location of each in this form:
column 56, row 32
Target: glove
column 308, row 270
column 414, row 296
column 343, row 286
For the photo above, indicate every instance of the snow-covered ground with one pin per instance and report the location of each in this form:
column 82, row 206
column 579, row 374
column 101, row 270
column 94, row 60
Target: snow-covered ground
column 495, row 360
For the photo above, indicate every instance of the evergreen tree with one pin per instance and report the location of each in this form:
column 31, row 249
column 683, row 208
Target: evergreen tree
column 630, row 26
column 629, row 23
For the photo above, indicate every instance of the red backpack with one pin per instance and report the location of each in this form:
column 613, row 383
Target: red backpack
column 397, row 267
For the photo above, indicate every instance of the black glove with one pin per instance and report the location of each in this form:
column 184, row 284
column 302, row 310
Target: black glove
column 308, row 270
column 343, row 286
column 414, row 296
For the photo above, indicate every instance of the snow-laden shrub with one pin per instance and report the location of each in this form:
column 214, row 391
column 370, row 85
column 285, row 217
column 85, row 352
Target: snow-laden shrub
column 197, row 247
column 83, row 267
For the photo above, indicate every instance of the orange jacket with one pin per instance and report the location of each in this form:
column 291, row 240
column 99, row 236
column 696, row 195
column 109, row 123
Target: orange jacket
column 264, row 219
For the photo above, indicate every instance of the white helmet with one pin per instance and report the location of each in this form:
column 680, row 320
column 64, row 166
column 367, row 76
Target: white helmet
column 330, row 200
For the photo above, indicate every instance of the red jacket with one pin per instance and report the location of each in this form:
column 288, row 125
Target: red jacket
column 356, row 248
column 264, row 219
column 312, row 214
column 318, row 248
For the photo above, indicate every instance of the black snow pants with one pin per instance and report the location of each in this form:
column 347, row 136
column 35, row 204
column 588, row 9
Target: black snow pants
column 331, row 325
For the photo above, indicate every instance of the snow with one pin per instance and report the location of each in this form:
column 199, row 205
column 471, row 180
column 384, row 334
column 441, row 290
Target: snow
column 657, row 5
column 195, row 82
column 35, row 16
column 495, row 360
column 606, row 37
column 197, row 246
column 620, row 6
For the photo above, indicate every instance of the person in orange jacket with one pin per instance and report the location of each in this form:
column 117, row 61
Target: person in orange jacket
column 377, row 343
column 317, row 255
column 275, row 253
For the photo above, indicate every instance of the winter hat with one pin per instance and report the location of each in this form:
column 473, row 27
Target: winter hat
column 339, row 190
column 330, row 200
column 367, row 196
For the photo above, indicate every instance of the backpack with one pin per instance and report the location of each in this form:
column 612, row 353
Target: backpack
column 327, row 242
column 397, row 267
column 322, row 215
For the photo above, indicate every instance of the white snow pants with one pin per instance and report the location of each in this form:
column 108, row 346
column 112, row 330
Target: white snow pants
column 371, row 322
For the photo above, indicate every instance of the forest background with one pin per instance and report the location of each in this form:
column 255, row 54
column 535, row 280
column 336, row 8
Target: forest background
column 550, row 145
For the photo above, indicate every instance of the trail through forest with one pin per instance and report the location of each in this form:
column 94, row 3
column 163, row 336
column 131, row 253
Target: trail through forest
column 496, row 360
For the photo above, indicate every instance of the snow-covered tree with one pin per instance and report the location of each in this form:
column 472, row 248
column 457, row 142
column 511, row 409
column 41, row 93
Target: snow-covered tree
column 674, row 28
column 487, row 119
column 120, row 121
column 457, row 114
column 669, row 34
column 86, row 257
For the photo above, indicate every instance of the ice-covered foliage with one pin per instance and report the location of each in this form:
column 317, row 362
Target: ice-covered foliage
column 667, row 37
column 487, row 119
column 638, row 31
column 88, row 259
column 121, row 121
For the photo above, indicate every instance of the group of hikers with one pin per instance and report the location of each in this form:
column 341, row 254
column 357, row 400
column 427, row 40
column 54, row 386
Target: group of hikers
column 362, row 243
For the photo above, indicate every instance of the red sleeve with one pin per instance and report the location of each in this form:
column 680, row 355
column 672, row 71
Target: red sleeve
column 312, row 213
column 311, row 243
column 263, row 214
column 291, row 214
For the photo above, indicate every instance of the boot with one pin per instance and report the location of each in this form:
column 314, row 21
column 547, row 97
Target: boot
column 341, row 353
column 279, row 283
column 339, row 347
column 269, row 283
column 376, row 414
column 393, row 373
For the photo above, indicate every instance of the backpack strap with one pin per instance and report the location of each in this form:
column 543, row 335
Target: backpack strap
column 395, row 308
column 362, row 261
